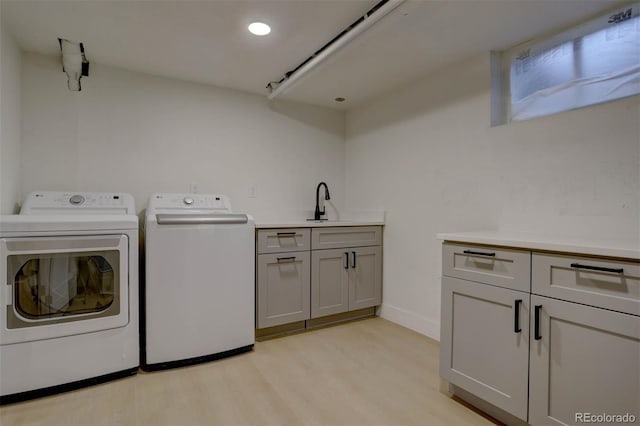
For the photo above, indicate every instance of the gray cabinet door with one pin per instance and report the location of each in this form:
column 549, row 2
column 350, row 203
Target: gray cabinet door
column 283, row 288
column 365, row 277
column 587, row 361
column 480, row 351
column 329, row 282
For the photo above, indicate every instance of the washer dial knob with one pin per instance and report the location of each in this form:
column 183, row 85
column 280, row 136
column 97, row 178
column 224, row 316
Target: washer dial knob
column 76, row 199
column 188, row 201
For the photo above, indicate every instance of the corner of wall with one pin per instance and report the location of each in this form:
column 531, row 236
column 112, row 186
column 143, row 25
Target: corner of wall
column 411, row 320
column 10, row 122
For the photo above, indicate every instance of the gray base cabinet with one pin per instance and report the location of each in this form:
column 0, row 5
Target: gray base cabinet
column 485, row 342
column 304, row 273
column 508, row 339
column 585, row 356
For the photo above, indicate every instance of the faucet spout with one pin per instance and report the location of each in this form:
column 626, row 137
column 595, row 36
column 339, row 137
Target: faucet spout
column 319, row 213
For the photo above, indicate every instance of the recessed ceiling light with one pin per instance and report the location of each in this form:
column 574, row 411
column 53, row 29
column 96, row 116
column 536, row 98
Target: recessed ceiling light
column 259, row 28
column 340, row 99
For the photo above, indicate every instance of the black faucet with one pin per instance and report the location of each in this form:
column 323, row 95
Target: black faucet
column 319, row 213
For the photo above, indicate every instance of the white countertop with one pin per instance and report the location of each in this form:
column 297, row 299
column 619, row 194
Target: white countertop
column 316, row 224
column 629, row 249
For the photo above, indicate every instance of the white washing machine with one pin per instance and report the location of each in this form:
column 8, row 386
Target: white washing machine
column 199, row 291
column 69, row 295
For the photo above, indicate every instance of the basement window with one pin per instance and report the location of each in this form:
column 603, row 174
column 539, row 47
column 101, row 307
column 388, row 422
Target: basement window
column 597, row 61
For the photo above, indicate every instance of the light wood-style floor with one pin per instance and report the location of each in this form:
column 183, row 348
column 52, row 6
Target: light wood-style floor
column 369, row 372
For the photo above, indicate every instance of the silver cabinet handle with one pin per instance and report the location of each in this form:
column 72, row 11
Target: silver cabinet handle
column 286, row 259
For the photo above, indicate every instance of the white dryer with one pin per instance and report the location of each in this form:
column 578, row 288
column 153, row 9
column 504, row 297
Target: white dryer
column 199, row 291
column 69, row 295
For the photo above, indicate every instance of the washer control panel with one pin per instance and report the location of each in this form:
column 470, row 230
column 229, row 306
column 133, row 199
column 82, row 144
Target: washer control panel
column 190, row 202
column 48, row 202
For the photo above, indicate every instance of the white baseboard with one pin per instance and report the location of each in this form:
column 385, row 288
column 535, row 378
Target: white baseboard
column 411, row 320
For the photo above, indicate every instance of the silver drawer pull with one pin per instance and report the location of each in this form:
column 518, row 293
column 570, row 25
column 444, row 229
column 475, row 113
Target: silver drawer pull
column 286, row 259
column 286, row 234
column 479, row 253
column 597, row 268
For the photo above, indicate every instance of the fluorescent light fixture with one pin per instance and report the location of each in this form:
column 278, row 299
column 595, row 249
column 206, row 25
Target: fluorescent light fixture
column 365, row 22
column 259, row 28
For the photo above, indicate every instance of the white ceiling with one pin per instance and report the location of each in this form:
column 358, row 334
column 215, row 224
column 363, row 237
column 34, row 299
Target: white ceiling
column 207, row 41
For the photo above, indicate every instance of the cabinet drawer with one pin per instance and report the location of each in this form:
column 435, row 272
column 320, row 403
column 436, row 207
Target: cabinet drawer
column 347, row 236
column 502, row 267
column 609, row 284
column 283, row 240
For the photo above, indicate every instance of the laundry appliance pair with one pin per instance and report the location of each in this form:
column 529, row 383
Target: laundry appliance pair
column 69, row 300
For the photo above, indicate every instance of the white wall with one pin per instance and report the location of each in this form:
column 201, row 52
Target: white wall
column 427, row 155
column 10, row 75
column 137, row 133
